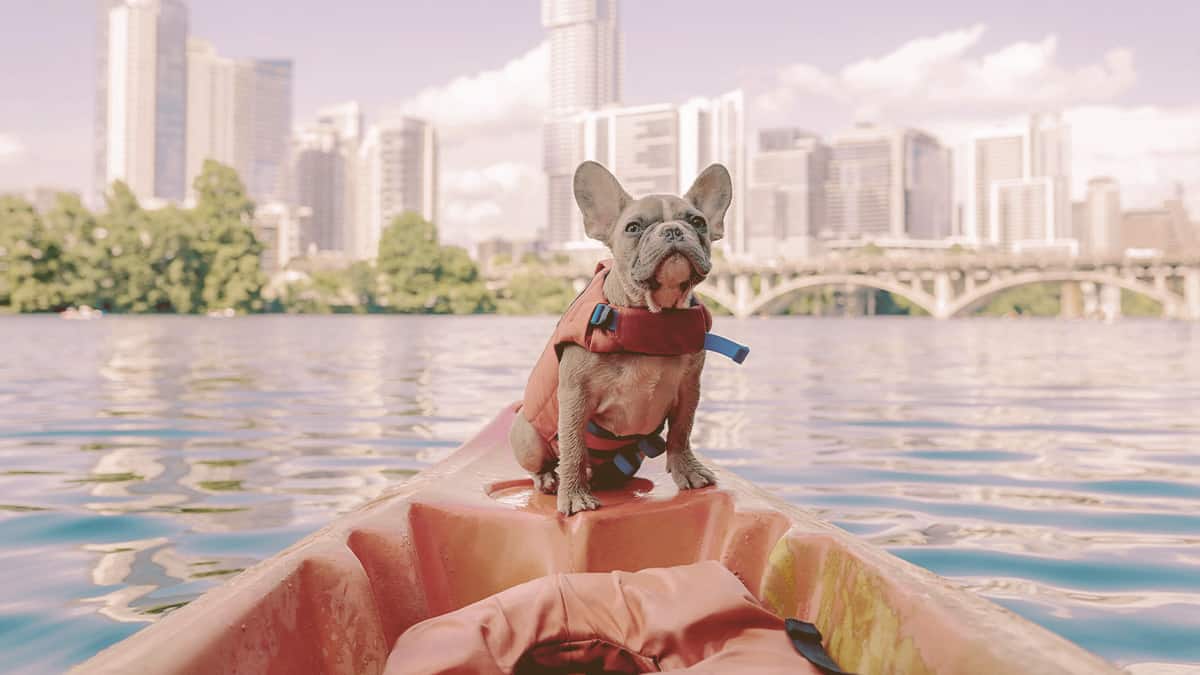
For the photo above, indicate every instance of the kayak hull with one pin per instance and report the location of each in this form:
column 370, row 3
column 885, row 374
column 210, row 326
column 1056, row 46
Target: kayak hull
column 472, row 526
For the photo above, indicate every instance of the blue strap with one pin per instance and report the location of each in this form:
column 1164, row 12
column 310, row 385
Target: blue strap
column 628, row 463
column 722, row 345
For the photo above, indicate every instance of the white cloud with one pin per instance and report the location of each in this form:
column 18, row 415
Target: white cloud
column 942, row 74
column 504, row 198
column 512, row 97
column 490, row 131
column 10, row 147
column 486, row 181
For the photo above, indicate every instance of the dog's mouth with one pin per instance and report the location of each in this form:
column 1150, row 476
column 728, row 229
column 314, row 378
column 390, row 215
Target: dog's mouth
column 681, row 268
column 672, row 278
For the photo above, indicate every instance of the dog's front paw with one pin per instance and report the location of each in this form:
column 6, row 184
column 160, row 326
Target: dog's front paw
column 574, row 501
column 546, row 482
column 690, row 474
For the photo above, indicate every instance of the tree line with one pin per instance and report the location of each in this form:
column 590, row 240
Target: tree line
column 128, row 259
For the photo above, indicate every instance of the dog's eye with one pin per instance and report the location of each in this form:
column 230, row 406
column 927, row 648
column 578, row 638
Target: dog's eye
column 698, row 223
column 633, row 227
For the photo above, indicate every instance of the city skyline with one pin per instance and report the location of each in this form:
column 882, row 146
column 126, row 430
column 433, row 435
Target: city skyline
column 492, row 181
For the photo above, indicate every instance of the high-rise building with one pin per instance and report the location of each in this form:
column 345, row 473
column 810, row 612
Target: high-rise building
column 239, row 114
column 1022, row 210
column 141, row 97
column 888, row 183
column 263, row 91
column 323, row 173
column 211, row 117
column 398, row 168
column 1099, row 227
column 660, row 149
column 319, row 179
column 714, row 130
column 1037, row 155
column 585, row 74
column 1166, row 229
column 786, row 196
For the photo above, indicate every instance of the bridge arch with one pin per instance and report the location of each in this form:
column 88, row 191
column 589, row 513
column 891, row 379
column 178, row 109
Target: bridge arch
column 1167, row 299
column 919, row 298
column 726, row 300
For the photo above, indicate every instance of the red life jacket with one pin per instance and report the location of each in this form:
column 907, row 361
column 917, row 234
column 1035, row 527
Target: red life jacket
column 592, row 323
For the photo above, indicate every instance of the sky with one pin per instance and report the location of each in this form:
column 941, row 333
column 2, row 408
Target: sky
column 1124, row 74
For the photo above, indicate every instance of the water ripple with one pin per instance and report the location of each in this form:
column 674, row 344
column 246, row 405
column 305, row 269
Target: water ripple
column 1050, row 466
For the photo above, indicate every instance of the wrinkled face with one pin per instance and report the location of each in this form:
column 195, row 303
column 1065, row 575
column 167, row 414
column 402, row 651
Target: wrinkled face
column 662, row 247
column 662, row 244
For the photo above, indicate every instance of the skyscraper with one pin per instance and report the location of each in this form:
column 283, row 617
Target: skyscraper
column 263, row 91
column 141, row 95
column 888, row 183
column 239, row 114
column 323, row 176
column 1099, row 229
column 1028, row 162
column 319, row 176
column 170, row 110
column 928, row 187
column 212, row 110
column 786, row 195
column 397, row 168
column 714, row 130
column 585, row 74
column 1022, row 211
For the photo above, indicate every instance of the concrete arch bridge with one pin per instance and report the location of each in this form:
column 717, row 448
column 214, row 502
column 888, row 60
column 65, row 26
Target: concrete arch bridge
column 946, row 286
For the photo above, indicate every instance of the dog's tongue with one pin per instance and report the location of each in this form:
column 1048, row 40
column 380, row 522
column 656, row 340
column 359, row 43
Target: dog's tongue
column 673, row 273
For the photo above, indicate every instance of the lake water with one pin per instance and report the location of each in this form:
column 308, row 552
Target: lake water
column 1053, row 467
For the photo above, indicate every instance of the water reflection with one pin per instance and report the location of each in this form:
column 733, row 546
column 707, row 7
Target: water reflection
column 1048, row 465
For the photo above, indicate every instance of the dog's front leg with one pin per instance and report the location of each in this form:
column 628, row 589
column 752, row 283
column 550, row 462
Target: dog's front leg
column 687, row 471
column 574, row 493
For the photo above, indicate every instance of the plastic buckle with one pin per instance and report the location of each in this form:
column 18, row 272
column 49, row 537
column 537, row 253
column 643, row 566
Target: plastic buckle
column 627, row 465
column 652, row 446
column 604, row 316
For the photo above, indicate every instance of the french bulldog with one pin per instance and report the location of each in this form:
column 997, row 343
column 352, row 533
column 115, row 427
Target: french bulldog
column 662, row 248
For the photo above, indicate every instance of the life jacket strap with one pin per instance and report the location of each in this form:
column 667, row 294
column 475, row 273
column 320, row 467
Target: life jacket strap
column 726, row 347
column 606, row 317
column 624, row 453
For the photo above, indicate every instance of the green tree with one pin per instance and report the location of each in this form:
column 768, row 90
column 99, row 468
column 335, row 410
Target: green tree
column 225, row 239
column 532, row 292
column 419, row 275
column 31, row 260
column 119, row 261
column 76, row 227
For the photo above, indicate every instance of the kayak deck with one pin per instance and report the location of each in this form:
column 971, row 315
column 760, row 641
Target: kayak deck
column 472, row 526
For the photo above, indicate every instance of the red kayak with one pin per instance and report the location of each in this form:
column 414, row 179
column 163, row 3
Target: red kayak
column 465, row 568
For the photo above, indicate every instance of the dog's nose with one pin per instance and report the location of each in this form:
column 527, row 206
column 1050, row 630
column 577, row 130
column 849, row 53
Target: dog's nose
column 672, row 233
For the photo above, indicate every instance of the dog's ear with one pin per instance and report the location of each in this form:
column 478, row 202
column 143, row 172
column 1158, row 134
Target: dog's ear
column 711, row 193
column 601, row 199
